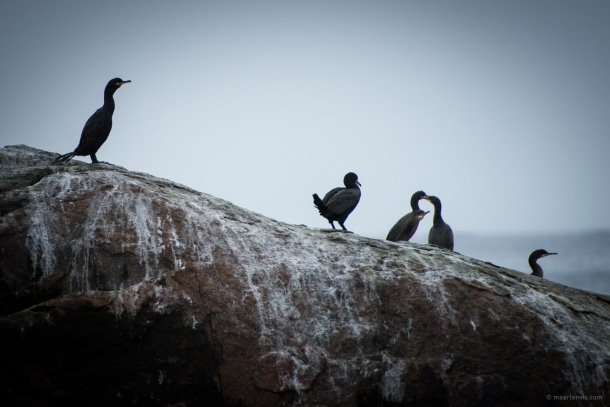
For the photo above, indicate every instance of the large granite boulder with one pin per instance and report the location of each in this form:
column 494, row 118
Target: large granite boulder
column 120, row 288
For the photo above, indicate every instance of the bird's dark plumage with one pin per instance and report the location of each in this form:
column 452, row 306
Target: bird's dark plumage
column 440, row 233
column 406, row 226
column 98, row 126
column 536, row 254
column 339, row 202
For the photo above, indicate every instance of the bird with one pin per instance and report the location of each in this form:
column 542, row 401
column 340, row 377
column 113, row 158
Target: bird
column 406, row 226
column 98, row 126
column 440, row 233
column 339, row 202
column 537, row 254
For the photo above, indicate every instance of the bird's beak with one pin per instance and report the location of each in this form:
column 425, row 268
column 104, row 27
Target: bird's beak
column 123, row 83
column 426, row 197
column 422, row 214
column 358, row 183
column 548, row 254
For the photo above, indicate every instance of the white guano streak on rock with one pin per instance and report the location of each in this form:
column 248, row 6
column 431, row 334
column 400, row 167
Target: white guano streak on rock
column 42, row 250
column 118, row 201
column 327, row 286
column 42, row 209
column 566, row 335
column 562, row 328
column 149, row 245
column 392, row 386
column 561, row 325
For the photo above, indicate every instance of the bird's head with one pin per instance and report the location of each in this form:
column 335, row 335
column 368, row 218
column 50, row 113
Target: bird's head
column 537, row 254
column 415, row 199
column 351, row 179
column 432, row 199
column 116, row 83
column 544, row 253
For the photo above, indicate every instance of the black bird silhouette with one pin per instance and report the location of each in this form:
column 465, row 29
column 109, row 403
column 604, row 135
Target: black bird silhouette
column 440, row 233
column 339, row 202
column 98, row 126
column 406, row 226
column 537, row 254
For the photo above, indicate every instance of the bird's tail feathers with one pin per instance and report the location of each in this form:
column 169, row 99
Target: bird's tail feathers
column 319, row 204
column 64, row 158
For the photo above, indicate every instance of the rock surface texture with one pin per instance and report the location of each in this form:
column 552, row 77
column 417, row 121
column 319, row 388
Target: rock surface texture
column 119, row 288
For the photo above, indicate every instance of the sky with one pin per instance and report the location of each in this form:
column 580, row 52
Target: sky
column 500, row 108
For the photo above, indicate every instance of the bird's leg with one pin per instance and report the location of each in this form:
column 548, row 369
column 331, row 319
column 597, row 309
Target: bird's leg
column 332, row 224
column 93, row 159
column 342, row 226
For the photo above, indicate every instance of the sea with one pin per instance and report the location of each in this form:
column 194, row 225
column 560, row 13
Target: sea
column 582, row 260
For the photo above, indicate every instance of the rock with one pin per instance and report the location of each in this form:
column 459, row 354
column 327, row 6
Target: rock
column 119, row 288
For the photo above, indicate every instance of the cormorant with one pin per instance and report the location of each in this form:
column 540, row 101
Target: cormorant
column 97, row 128
column 339, row 202
column 440, row 233
column 406, row 226
column 536, row 254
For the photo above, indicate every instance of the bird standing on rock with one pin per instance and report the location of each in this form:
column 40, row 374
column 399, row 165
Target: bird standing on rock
column 440, row 233
column 406, row 226
column 339, row 202
column 537, row 254
column 97, row 128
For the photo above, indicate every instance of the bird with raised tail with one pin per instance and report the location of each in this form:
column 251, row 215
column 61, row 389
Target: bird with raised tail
column 339, row 202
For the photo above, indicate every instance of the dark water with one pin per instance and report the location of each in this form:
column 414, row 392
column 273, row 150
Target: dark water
column 583, row 259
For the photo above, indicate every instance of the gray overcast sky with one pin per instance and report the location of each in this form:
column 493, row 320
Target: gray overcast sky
column 501, row 108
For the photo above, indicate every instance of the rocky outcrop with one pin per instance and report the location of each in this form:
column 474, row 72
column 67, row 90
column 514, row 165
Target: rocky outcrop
column 119, row 288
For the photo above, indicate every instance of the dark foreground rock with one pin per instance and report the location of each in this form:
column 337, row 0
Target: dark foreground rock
column 119, row 288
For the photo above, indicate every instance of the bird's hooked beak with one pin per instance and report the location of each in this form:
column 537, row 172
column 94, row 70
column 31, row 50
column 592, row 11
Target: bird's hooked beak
column 358, row 183
column 426, row 197
column 547, row 254
column 122, row 83
column 421, row 214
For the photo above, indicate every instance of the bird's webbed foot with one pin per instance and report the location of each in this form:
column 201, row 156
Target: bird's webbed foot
column 94, row 160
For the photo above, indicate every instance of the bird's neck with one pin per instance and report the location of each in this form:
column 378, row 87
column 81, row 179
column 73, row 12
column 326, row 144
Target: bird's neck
column 536, row 269
column 438, row 219
column 109, row 100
